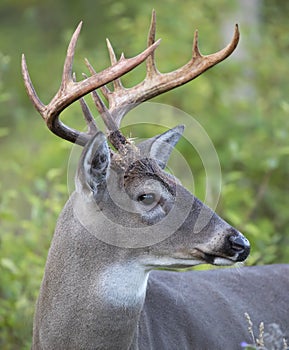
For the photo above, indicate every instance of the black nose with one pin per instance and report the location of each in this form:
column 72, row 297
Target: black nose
column 240, row 244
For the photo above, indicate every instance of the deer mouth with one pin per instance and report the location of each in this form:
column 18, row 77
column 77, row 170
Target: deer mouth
column 198, row 257
column 215, row 259
column 220, row 259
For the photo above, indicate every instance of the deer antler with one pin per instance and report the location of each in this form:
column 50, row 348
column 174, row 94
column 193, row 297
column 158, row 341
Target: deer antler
column 121, row 100
column 70, row 90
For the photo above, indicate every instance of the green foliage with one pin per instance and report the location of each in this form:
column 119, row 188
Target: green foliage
column 27, row 213
column 242, row 104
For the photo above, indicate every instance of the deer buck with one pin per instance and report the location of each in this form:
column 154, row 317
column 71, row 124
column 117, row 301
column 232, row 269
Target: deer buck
column 127, row 218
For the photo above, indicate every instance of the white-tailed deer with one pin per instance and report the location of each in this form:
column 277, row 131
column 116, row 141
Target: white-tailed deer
column 127, row 217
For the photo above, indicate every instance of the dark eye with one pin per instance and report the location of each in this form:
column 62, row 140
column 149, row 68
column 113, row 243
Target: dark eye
column 147, row 198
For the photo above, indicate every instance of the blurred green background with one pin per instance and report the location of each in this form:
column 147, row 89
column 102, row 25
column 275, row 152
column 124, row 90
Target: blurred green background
column 243, row 104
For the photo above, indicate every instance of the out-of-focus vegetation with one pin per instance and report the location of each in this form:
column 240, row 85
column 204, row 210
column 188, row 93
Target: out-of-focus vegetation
column 243, row 104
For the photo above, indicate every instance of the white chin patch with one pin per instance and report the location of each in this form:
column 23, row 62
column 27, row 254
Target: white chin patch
column 223, row 261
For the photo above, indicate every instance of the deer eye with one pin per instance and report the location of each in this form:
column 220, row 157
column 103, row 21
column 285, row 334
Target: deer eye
column 147, row 198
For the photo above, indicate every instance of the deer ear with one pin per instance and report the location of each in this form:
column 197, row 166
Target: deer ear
column 93, row 167
column 161, row 146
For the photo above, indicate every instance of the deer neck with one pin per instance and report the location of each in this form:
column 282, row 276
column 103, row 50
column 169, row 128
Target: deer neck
column 109, row 298
column 121, row 290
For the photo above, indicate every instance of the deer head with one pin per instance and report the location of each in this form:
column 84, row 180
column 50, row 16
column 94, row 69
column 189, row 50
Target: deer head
column 123, row 195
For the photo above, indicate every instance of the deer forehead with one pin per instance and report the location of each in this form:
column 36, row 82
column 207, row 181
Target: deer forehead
column 146, row 172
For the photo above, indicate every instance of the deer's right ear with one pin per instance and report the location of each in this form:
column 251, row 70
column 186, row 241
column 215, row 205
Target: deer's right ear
column 93, row 167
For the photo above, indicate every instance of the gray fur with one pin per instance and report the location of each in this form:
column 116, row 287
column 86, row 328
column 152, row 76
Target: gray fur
column 99, row 295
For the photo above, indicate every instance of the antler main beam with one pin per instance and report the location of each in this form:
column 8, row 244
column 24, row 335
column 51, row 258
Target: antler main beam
column 121, row 100
column 71, row 91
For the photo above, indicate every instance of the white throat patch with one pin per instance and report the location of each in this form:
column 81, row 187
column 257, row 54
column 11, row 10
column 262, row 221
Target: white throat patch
column 123, row 285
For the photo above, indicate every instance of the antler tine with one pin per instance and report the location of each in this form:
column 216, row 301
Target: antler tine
column 100, row 106
column 39, row 106
column 88, row 117
column 104, row 89
column 67, row 75
column 71, row 91
column 150, row 62
column 117, row 82
column 196, row 52
column 90, row 122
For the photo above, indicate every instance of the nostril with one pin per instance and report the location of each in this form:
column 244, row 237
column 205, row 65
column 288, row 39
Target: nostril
column 238, row 243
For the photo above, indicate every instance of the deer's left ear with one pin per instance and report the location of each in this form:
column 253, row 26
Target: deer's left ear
column 161, row 146
column 93, row 166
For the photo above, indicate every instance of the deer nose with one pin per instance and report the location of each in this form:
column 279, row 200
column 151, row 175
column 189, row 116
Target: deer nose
column 240, row 244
